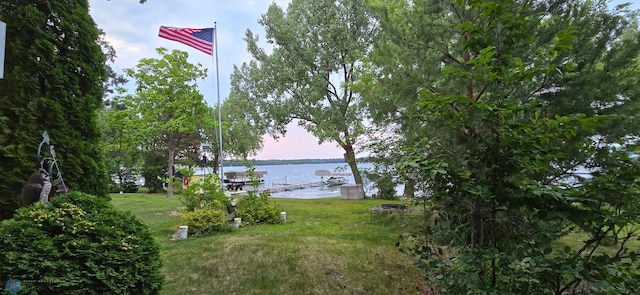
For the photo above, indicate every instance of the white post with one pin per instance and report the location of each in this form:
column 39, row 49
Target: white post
column 184, row 231
column 236, row 222
column 3, row 38
column 284, row 216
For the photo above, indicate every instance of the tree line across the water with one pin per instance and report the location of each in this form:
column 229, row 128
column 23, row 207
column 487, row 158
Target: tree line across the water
column 286, row 162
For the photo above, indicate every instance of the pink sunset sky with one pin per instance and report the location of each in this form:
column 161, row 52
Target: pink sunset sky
column 297, row 144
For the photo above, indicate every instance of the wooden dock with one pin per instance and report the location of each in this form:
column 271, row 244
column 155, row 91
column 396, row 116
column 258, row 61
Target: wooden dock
column 290, row 187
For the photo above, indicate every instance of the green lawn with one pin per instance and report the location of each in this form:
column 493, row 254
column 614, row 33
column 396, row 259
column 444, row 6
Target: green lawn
column 329, row 246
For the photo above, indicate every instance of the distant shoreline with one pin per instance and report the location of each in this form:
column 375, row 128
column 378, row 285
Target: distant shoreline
column 286, row 162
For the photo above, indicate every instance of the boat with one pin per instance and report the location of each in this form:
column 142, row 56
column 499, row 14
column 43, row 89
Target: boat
column 336, row 180
column 335, row 177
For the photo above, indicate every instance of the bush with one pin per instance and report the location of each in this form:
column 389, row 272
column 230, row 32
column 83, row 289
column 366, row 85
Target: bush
column 128, row 187
column 258, row 209
column 79, row 244
column 153, row 171
column 205, row 220
column 382, row 181
column 386, row 188
column 205, row 193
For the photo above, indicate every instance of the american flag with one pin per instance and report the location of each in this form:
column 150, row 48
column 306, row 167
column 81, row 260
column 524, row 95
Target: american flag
column 201, row 39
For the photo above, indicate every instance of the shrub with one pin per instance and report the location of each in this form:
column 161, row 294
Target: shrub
column 79, row 244
column 258, row 209
column 114, row 188
column 386, row 188
column 204, row 193
column 153, row 171
column 128, row 187
column 205, row 220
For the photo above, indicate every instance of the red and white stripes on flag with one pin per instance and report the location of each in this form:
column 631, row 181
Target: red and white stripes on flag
column 200, row 39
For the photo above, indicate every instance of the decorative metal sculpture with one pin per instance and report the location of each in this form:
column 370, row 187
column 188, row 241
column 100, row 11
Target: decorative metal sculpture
column 40, row 187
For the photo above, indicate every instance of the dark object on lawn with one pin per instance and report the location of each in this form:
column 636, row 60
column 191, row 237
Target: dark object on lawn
column 390, row 208
column 393, row 206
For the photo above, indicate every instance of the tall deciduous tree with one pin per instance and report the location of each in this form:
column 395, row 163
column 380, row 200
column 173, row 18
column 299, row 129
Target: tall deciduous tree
column 242, row 129
column 514, row 98
column 245, row 129
column 169, row 105
column 308, row 75
column 120, row 139
column 54, row 73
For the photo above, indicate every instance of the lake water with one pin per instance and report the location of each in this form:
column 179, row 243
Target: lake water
column 302, row 173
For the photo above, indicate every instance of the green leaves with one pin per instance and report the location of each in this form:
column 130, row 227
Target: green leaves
column 565, row 39
column 309, row 76
column 166, row 95
column 57, row 71
column 169, row 109
column 205, row 193
column 80, row 244
column 511, row 108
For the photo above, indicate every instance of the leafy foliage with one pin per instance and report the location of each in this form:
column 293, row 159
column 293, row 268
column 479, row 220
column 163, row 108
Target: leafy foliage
column 205, row 193
column 172, row 111
column 120, row 139
column 518, row 153
column 257, row 209
column 127, row 187
column 245, row 126
column 307, row 77
column 206, row 220
column 383, row 180
column 79, row 244
column 205, row 200
column 205, row 206
column 153, row 170
column 55, row 71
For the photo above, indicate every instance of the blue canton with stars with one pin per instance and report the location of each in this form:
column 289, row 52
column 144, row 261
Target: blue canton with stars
column 204, row 34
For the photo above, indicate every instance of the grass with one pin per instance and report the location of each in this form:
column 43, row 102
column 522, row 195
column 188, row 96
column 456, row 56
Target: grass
column 576, row 240
column 328, row 246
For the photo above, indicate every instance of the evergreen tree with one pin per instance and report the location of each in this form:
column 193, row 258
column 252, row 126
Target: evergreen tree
column 54, row 74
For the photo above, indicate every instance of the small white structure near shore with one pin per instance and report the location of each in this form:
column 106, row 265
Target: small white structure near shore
column 351, row 192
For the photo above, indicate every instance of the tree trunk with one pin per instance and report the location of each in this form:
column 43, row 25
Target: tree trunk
column 171, row 170
column 350, row 158
column 216, row 165
column 409, row 188
column 118, row 162
column 476, row 225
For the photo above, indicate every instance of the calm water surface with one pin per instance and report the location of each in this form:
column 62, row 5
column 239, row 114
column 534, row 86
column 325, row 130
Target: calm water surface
column 302, row 173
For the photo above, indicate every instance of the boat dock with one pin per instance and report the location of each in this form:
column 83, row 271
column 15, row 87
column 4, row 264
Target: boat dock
column 234, row 180
column 290, row 187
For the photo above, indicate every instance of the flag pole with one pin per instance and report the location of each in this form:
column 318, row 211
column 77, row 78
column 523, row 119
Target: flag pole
column 215, row 43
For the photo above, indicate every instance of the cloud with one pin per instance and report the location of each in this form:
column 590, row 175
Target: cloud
column 132, row 29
